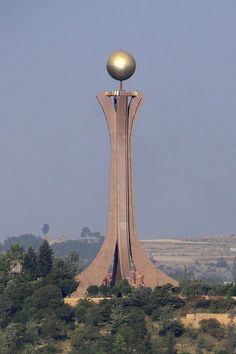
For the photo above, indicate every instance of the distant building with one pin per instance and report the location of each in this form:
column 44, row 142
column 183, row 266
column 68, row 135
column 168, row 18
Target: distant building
column 52, row 239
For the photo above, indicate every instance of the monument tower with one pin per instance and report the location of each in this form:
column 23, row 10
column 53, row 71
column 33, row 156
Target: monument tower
column 121, row 255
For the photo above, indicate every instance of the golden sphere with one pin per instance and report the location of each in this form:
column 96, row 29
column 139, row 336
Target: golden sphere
column 121, row 65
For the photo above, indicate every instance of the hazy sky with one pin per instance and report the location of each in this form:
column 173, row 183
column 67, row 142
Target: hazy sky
column 54, row 145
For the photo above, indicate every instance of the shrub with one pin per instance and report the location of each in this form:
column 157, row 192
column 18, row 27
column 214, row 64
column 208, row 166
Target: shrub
column 104, row 290
column 93, row 290
column 171, row 326
column 140, row 296
column 212, row 327
column 82, row 309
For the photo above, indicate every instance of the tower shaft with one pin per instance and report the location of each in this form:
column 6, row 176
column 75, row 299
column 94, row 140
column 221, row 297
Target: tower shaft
column 121, row 251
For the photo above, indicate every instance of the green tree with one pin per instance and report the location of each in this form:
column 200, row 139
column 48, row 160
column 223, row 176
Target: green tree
column 60, row 269
column 15, row 258
column 212, row 327
column 53, row 328
column 45, row 229
column 162, row 313
column 7, row 340
column 120, row 345
column 124, row 287
column 82, row 309
column 45, row 259
column 85, row 340
column 48, row 296
column 85, row 232
column 230, row 342
column 30, row 264
column 104, row 290
column 170, row 344
column 4, row 268
column 171, row 326
column 117, row 318
column 73, row 263
column 11, row 338
column 140, row 296
column 99, row 314
column 194, row 288
column 93, row 290
column 134, row 339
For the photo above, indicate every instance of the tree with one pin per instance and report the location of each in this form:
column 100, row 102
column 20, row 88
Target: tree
column 212, row 327
column 45, row 259
column 140, row 296
column 45, row 229
column 125, row 287
column 8, row 339
column 48, row 296
column 60, row 269
column 67, row 286
column 104, row 290
column 170, row 344
column 134, row 333
column 53, row 328
column 194, row 288
column 85, row 232
column 230, row 342
column 15, row 257
column 117, row 318
column 84, row 340
column 31, row 263
column 25, row 240
column 93, row 290
column 82, row 309
column 73, row 263
column 171, row 326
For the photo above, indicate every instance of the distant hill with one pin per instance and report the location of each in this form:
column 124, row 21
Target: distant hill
column 27, row 240
column 86, row 247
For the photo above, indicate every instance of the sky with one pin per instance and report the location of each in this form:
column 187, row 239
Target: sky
column 54, row 144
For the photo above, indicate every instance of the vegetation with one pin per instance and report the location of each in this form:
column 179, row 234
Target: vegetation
column 32, row 310
column 35, row 319
column 45, row 229
column 87, row 246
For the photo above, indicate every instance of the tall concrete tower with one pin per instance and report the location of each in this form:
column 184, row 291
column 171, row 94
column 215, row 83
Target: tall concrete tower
column 121, row 255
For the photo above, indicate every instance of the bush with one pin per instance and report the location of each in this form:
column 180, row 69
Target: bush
column 93, row 290
column 162, row 313
column 202, row 304
column 82, row 309
column 104, row 290
column 67, row 286
column 212, row 327
column 84, row 340
column 163, row 297
column 140, row 296
column 116, row 291
column 172, row 326
column 221, row 305
column 46, row 296
column 124, row 287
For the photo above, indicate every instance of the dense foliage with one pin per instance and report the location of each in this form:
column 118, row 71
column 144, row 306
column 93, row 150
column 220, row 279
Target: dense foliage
column 32, row 310
column 35, row 319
